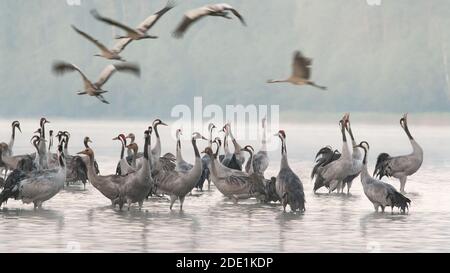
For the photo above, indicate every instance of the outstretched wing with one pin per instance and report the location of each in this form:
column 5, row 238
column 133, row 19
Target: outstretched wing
column 150, row 21
column 239, row 16
column 112, row 68
column 60, row 68
column 301, row 66
column 189, row 18
column 90, row 38
column 121, row 44
column 112, row 22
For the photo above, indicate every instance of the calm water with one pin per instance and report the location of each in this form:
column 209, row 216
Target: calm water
column 82, row 220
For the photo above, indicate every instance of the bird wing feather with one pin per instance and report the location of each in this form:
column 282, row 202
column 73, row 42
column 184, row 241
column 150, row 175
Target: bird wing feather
column 189, row 18
column 112, row 68
column 101, row 46
column 150, row 21
column 60, row 68
column 301, row 66
column 112, row 22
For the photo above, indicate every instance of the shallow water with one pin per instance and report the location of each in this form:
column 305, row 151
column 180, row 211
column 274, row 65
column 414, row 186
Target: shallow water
column 82, row 220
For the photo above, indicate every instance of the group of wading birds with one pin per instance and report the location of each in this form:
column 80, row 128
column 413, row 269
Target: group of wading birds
column 37, row 177
column 301, row 67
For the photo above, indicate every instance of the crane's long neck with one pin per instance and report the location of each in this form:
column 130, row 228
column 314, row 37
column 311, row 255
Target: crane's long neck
column 196, row 170
column 157, row 149
column 416, row 147
column 216, row 154
column 210, row 138
column 50, row 143
column 364, row 172
column 92, row 174
column 122, row 150
column 264, row 139
column 13, row 137
column 345, row 149
column 179, row 156
column 66, row 145
column 225, row 144
column 237, row 147
column 284, row 159
column 251, row 170
column 147, row 147
column 43, row 130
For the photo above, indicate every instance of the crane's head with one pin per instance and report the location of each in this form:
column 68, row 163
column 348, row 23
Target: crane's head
column 43, row 121
column 248, row 149
column 134, row 147
column 404, row 121
column 86, row 141
column 197, row 135
column 281, row 134
column 178, row 133
column 211, row 127
column 157, row 122
column 122, row 138
column 364, row 145
column 150, row 130
column 16, row 124
column 131, row 136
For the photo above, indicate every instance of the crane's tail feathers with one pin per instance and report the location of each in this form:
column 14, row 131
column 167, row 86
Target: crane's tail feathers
column 399, row 200
column 11, row 188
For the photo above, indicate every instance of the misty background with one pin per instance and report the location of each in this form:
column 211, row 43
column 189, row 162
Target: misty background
column 389, row 58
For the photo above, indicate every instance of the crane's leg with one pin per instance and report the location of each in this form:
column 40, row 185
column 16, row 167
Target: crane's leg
column 382, row 209
column 349, row 185
column 376, row 207
column 402, row 184
column 181, row 203
column 141, row 203
column 173, row 198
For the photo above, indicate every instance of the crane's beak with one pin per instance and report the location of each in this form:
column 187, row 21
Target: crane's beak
column 81, row 153
column 162, row 123
column 204, row 138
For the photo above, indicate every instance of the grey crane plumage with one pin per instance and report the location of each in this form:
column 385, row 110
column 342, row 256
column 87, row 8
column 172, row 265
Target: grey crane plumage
column 140, row 32
column 381, row 194
column 182, row 165
column 192, row 16
column 177, row 184
column 331, row 172
column 288, row 185
column 261, row 158
column 403, row 166
column 301, row 72
column 95, row 88
column 35, row 187
column 110, row 54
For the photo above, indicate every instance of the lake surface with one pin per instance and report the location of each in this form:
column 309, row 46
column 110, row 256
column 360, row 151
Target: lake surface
column 78, row 220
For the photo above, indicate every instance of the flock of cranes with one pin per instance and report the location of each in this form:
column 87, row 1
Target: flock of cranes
column 301, row 66
column 237, row 174
column 134, row 34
